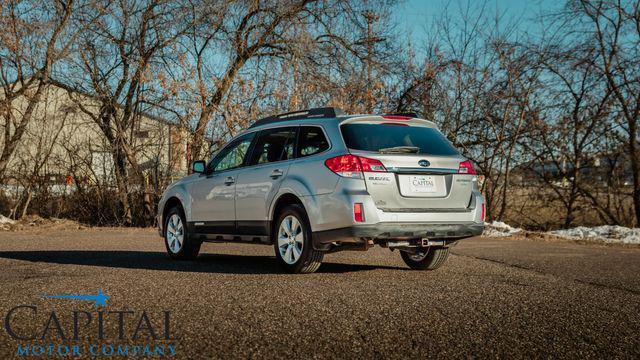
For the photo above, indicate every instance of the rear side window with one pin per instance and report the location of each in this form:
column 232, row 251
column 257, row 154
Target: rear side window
column 387, row 137
column 311, row 141
column 273, row 145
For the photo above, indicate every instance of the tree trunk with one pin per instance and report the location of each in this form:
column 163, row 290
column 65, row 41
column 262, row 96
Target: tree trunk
column 197, row 139
column 633, row 158
column 12, row 141
column 27, row 202
column 122, row 185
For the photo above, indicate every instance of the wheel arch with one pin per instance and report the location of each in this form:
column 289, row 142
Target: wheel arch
column 284, row 200
column 171, row 202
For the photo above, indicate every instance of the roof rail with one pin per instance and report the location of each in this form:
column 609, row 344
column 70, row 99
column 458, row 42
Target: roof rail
column 316, row 113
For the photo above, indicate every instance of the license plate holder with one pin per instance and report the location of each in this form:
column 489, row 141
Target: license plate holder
column 422, row 184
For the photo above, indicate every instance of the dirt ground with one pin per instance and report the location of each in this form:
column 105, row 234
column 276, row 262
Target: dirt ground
column 493, row 298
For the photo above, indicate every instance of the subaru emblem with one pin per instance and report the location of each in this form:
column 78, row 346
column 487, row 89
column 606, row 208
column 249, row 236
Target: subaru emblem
column 424, row 163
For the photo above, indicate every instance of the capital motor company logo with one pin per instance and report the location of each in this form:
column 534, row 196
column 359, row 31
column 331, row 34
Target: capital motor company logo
column 92, row 330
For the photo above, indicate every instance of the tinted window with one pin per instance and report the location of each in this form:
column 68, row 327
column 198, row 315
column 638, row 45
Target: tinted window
column 311, row 141
column 233, row 155
column 273, row 145
column 375, row 137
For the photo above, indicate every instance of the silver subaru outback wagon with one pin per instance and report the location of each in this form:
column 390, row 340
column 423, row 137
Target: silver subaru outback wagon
column 316, row 181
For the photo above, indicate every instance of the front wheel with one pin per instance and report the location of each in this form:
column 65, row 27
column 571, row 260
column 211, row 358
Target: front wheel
column 429, row 258
column 292, row 242
column 176, row 238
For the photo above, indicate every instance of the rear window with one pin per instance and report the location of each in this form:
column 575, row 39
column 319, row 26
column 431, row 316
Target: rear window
column 376, row 137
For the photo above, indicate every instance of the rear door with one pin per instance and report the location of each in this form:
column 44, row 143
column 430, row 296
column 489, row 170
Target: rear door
column 421, row 165
column 258, row 183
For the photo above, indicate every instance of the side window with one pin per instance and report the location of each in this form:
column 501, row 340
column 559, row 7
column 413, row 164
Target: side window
column 233, row 155
column 273, row 145
column 311, row 141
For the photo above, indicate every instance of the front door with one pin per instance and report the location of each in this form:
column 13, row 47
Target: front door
column 258, row 183
column 213, row 205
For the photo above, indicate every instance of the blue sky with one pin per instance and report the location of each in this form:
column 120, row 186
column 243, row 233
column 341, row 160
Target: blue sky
column 414, row 16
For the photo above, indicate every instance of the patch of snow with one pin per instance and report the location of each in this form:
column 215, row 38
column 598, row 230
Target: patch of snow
column 6, row 220
column 499, row 229
column 605, row 233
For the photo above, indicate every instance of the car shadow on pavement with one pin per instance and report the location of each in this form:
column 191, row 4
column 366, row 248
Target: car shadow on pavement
column 205, row 263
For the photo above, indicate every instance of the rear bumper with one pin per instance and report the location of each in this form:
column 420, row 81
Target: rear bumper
column 335, row 210
column 322, row 240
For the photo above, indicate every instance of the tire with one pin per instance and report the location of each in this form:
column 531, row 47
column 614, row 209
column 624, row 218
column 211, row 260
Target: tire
column 431, row 260
column 174, row 231
column 288, row 243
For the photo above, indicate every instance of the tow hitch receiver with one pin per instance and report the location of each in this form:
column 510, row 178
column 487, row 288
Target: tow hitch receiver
column 414, row 243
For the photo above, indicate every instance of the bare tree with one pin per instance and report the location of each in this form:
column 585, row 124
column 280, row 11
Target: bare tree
column 117, row 57
column 576, row 109
column 32, row 162
column 478, row 85
column 255, row 32
column 613, row 26
column 34, row 39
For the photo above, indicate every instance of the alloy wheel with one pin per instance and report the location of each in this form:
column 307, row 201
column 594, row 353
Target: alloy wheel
column 175, row 233
column 290, row 239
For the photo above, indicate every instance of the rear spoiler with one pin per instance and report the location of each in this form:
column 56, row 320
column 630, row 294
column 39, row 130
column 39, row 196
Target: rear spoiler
column 404, row 118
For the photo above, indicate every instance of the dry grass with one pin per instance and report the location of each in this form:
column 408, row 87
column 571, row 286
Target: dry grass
column 538, row 209
column 37, row 223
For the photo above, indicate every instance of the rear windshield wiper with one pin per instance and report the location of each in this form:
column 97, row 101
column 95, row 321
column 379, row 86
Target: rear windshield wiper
column 400, row 150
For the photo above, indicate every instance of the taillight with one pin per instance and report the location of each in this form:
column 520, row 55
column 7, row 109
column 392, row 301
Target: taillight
column 358, row 212
column 371, row 165
column 482, row 213
column 466, row 167
column 353, row 166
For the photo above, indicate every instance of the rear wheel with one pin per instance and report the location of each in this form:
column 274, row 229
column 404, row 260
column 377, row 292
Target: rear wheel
column 292, row 242
column 429, row 258
column 176, row 239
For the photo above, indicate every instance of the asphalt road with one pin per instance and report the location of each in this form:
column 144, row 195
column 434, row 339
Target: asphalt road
column 493, row 298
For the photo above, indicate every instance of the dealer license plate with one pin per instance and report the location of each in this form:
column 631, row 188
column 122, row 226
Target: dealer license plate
column 422, row 184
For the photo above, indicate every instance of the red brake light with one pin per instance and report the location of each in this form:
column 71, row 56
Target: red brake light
column 396, row 117
column 353, row 166
column 482, row 213
column 466, row 167
column 358, row 212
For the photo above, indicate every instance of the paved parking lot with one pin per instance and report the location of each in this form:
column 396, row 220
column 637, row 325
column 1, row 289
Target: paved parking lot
column 494, row 297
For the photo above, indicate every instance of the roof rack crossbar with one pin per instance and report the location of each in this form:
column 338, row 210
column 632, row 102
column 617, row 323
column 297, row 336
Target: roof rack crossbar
column 316, row 113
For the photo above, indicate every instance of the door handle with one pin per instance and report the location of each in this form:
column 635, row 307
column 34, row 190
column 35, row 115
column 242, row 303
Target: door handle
column 229, row 180
column 276, row 174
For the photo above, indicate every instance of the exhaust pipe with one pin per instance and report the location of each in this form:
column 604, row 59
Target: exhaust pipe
column 396, row 244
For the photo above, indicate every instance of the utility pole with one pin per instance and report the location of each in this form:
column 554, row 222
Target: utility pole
column 371, row 17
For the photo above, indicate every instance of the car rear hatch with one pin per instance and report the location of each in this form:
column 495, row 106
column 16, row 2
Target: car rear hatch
column 422, row 172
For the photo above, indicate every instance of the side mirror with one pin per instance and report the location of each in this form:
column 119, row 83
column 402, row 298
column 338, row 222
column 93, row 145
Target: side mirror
column 198, row 167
